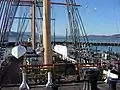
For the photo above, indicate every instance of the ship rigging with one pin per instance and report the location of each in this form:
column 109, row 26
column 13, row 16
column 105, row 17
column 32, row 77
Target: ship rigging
column 73, row 59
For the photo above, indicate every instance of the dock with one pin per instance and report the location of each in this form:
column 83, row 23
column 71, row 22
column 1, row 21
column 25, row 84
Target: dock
column 12, row 44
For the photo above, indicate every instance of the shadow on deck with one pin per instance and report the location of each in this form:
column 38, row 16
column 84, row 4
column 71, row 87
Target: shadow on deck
column 12, row 74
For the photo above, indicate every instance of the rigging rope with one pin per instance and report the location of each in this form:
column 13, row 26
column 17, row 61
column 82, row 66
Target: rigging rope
column 40, row 21
column 2, row 5
column 1, row 13
column 20, row 27
column 24, row 29
column 19, row 23
column 76, row 22
column 12, row 14
column 77, row 32
column 5, row 14
column 6, row 23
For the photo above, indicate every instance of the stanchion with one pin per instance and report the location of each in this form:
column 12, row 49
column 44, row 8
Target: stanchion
column 24, row 85
column 50, row 85
column 93, row 78
column 86, row 84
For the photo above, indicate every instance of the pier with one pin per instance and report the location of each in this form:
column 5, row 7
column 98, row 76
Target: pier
column 12, row 44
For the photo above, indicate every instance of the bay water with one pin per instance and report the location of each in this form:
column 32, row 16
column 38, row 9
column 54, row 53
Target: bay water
column 97, row 39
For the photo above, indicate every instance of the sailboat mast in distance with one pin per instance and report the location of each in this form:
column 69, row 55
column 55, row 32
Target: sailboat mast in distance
column 47, row 32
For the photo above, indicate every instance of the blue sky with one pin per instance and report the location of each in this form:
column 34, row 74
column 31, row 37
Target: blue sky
column 100, row 17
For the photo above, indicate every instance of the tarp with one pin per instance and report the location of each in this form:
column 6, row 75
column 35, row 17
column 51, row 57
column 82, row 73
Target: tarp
column 61, row 50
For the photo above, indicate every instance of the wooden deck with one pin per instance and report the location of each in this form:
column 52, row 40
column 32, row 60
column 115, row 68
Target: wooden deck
column 67, row 87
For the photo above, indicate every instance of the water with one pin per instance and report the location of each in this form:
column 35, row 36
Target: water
column 97, row 39
column 100, row 39
column 106, row 39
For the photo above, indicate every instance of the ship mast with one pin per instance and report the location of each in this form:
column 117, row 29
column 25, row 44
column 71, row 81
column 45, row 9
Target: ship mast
column 33, row 33
column 47, row 32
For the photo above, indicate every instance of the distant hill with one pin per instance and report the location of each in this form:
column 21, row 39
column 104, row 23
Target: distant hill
column 11, row 34
column 14, row 35
column 93, row 38
column 100, row 35
column 28, row 34
column 116, row 35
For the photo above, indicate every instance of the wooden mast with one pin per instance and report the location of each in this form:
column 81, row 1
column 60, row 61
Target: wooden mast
column 47, row 32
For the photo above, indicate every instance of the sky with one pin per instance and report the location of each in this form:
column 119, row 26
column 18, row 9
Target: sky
column 100, row 17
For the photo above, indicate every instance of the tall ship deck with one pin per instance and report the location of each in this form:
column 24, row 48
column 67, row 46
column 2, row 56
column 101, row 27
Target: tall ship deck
column 42, row 63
